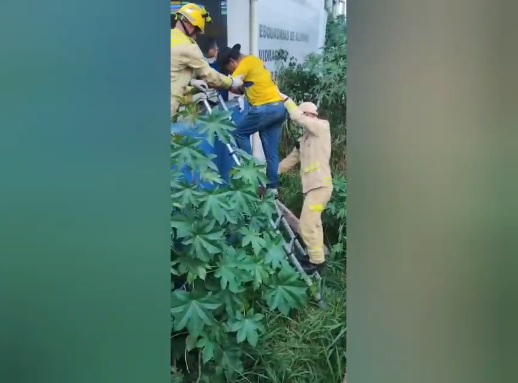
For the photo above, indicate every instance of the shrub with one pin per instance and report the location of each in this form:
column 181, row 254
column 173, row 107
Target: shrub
column 227, row 264
column 322, row 79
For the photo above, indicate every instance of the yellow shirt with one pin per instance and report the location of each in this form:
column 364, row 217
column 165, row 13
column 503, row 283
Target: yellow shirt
column 260, row 89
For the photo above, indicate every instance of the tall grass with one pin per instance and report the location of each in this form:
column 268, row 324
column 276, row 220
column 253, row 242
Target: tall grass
column 306, row 348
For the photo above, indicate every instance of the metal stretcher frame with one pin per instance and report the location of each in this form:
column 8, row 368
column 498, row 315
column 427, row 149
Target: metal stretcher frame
column 314, row 282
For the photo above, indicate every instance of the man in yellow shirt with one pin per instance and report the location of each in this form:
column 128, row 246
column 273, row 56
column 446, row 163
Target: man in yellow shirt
column 313, row 152
column 267, row 112
column 187, row 61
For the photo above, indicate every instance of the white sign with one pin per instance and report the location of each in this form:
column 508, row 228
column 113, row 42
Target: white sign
column 296, row 26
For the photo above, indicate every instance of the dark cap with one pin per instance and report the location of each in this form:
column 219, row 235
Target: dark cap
column 227, row 53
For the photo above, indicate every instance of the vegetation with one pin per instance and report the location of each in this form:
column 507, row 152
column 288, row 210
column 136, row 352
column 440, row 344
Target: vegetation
column 240, row 312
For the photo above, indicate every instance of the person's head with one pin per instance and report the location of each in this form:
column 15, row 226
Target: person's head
column 229, row 58
column 309, row 109
column 191, row 19
column 210, row 48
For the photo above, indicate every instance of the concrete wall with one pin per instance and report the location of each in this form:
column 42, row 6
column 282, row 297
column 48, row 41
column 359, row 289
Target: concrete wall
column 238, row 24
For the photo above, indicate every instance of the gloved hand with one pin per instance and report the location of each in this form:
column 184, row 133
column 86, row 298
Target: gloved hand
column 241, row 103
column 237, row 82
column 212, row 96
column 199, row 97
column 199, row 84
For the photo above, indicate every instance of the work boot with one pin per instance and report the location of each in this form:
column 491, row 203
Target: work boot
column 312, row 268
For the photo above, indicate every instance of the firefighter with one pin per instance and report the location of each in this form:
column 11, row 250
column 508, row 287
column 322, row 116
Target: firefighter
column 313, row 152
column 188, row 66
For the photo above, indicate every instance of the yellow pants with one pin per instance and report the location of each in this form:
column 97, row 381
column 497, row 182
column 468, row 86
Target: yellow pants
column 311, row 231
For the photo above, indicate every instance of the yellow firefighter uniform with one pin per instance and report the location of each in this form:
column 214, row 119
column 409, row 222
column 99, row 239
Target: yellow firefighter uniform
column 314, row 155
column 187, row 62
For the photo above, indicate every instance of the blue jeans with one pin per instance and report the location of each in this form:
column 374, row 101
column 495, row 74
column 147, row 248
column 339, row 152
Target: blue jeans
column 267, row 120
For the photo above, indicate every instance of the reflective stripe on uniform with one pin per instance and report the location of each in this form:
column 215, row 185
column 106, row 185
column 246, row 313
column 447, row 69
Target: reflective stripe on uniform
column 328, row 181
column 315, row 250
column 312, row 168
column 317, row 208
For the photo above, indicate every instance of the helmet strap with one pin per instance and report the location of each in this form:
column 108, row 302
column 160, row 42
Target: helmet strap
column 188, row 34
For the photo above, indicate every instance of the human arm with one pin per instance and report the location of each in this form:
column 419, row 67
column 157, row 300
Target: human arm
column 290, row 161
column 311, row 125
column 194, row 59
column 239, row 76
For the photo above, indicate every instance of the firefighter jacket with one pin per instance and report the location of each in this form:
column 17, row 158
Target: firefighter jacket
column 314, row 153
column 187, row 62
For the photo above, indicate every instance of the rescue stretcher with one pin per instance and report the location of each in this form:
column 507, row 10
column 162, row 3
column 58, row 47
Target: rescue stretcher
column 286, row 223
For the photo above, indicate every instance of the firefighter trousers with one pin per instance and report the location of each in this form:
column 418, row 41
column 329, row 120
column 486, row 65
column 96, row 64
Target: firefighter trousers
column 311, row 230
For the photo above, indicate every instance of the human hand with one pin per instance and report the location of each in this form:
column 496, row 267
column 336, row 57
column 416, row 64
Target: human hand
column 212, row 96
column 237, row 82
column 199, row 84
column 199, row 97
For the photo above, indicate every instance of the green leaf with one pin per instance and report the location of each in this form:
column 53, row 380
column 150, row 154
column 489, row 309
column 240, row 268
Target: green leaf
column 186, row 196
column 233, row 301
column 248, row 327
column 216, row 124
column 177, row 181
column 260, row 274
column 217, row 333
column 258, row 223
column 215, row 206
column 188, row 155
column 267, row 208
column 192, row 312
column 337, row 248
column 207, row 347
column 252, row 238
column 250, row 173
column 243, row 200
column 182, row 225
column 229, row 273
column 288, row 292
column 187, row 152
column 190, row 342
column 194, row 268
column 275, row 255
column 256, row 271
column 205, row 241
column 211, row 177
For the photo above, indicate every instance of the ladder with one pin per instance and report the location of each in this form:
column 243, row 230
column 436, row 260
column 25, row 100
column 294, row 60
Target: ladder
column 291, row 245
